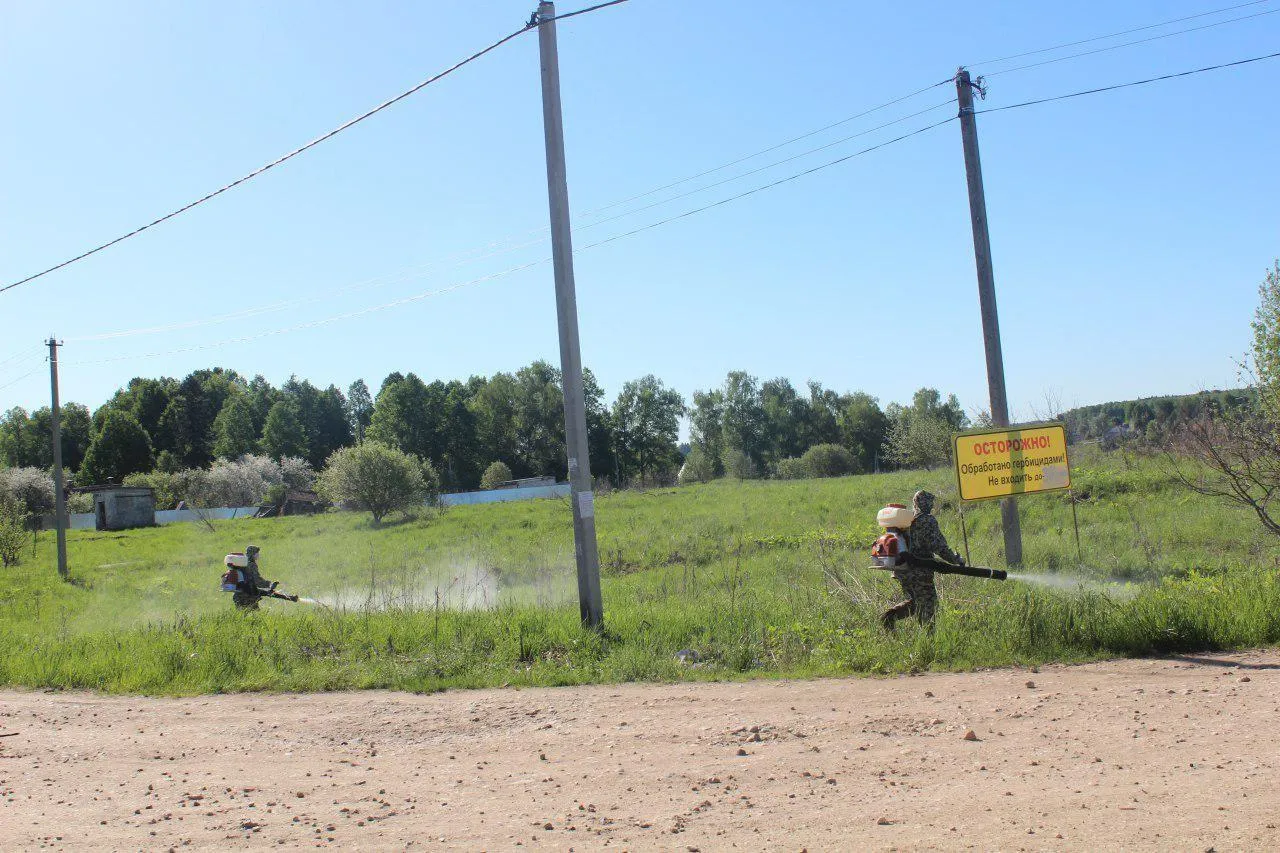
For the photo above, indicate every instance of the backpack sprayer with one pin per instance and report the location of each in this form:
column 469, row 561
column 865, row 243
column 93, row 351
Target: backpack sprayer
column 891, row 551
column 236, row 579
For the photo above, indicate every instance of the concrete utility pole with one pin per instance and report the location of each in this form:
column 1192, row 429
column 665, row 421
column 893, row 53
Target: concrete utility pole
column 575, row 414
column 987, row 299
column 59, row 498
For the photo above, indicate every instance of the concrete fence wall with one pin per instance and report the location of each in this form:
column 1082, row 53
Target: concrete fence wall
column 493, row 496
column 85, row 520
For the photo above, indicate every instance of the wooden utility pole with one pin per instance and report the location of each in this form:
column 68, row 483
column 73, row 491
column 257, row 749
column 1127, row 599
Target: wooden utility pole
column 987, row 299
column 59, row 497
column 575, row 414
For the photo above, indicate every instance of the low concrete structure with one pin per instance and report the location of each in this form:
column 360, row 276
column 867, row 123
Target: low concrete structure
column 122, row 507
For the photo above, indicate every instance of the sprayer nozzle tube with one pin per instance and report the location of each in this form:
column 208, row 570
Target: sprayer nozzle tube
column 949, row 569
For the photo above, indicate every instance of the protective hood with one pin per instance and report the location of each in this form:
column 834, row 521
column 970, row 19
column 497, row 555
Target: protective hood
column 923, row 502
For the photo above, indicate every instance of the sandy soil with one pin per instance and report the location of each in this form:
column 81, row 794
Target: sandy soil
column 1155, row 754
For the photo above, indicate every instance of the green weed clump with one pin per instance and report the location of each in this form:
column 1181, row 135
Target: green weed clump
column 755, row 579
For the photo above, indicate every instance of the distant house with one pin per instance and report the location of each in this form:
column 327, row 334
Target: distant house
column 121, row 507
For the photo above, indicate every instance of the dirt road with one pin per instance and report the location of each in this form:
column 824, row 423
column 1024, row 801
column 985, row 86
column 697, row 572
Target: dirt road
column 1157, row 754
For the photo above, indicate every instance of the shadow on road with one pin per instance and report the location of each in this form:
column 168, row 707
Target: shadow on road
column 1226, row 664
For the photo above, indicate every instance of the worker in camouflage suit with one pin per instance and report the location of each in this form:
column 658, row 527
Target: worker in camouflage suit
column 253, row 586
column 924, row 539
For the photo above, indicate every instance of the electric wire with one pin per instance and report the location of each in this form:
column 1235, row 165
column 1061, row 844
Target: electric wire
column 768, row 166
column 507, row 245
column 763, row 151
column 504, row 273
column 19, row 379
column 532, row 24
column 771, row 185
column 659, row 223
column 578, row 12
column 1130, row 43
column 1118, row 34
column 1130, row 84
column 20, row 355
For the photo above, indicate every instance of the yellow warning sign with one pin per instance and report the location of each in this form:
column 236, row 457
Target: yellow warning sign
column 1000, row 463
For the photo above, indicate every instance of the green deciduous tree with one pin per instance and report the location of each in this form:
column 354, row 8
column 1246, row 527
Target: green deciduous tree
column 919, row 442
column 496, row 473
column 380, row 479
column 359, row 408
column 743, row 424
column 863, row 428
column 284, row 433
column 235, row 429
column 539, row 422
column 20, row 439
column 646, row 416
column 707, row 436
column 120, row 448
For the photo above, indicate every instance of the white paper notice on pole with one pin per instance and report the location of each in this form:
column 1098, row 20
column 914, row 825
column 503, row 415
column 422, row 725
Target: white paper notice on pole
column 586, row 505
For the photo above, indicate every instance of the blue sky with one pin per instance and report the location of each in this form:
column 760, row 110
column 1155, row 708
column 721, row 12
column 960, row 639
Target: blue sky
column 1130, row 230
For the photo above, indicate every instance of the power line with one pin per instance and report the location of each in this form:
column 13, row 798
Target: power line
column 425, row 295
column 19, row 379
column 1128, row 85
column 768, row 166
column 1116, row 35
column 594, row 8
column 776, row 183
column 295, row 152
column 1131, row 43
column 506, row 245
column 790, row 141
column 20, row 355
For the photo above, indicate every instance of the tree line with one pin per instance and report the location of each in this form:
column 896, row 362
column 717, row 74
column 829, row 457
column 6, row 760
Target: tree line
column 1150, row 418
column 743, row 428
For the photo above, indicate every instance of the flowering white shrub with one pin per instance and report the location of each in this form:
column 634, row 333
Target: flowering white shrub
column 31, row 488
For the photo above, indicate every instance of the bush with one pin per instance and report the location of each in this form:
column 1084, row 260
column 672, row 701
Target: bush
column 80, row 502
column 13, row 531
column 496, row 473
column 738, row 465
column 248, row 481
column 792, row 468
column 296, row 474
column 163, row 485
column 829, row 460
column 698, row 467
column 31, row 488
column 381, row 479
column 919, row 441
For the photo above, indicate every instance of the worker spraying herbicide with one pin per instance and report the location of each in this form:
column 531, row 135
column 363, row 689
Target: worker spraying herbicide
column 246, row 583
column 911, row 547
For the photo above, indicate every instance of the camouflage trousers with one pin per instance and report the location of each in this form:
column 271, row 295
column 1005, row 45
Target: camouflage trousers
column 922, row 598
column 246, row 600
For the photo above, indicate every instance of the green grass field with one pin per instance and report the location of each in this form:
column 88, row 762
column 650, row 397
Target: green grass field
column 760, row 578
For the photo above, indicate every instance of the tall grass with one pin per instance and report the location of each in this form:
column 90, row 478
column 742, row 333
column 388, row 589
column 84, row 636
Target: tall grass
column 759, row 578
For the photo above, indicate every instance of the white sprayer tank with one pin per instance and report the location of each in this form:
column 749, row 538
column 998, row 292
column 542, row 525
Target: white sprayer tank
column 895, row 515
